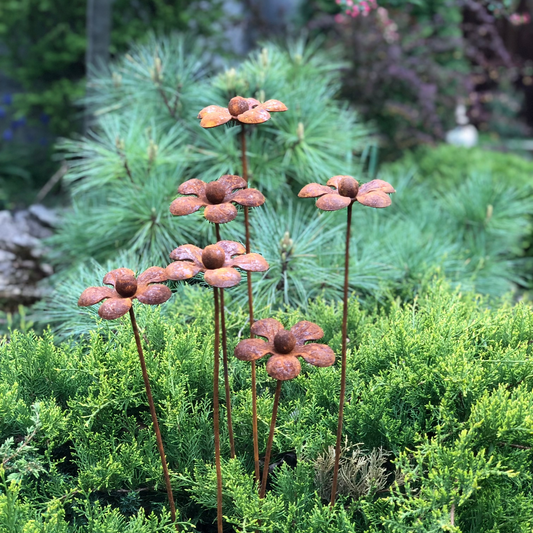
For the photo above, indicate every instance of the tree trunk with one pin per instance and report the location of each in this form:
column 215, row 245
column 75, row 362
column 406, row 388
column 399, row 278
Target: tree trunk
column 98, row 40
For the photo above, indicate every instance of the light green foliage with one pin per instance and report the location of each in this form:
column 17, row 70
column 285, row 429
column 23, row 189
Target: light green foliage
column 442, row 385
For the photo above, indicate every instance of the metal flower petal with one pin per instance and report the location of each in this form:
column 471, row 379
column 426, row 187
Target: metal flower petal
column 267, row 327
column 152, row 275
column 215, row 117
column 251, row 349
column 193, row 186
column 232, row 182
column 114, row 308
column 274, row 105
column 283, row 367
column 222, row 277
column 306, row 331
column 376, row 185
column 312, row 190
column 317, row 354
column 221, row 213
column 186, row 205
column 231, row 248
column 374, row 199
column 181, row 270
column 257, row 115
column 210, row 109
column 334, row 181
column 93, row 295
column 187, row 252
column 248, row 198
column 333, row 202
column 251, row 263
column 111, row 277
column 153, row 294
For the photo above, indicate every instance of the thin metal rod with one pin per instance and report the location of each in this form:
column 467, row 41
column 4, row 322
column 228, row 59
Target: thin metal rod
column 270, row 439
column 225, row 363
column 216, row 413
column 154, row 416
column 343, row 357
column 255, row 435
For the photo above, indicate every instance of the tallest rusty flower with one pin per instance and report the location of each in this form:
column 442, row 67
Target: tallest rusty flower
column 244, row 111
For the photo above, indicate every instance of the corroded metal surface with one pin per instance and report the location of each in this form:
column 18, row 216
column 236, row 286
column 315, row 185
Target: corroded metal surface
column 243, row 110
column 118, row 301
column 216, row 261
column 342, row 191
column 285, row 347
column 217, row 197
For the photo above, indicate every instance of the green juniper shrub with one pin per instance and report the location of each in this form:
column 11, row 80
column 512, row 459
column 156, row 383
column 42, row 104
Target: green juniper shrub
column 437, row 417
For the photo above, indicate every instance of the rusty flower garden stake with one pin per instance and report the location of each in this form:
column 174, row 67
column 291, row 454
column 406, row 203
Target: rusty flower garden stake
column 345, row 193
column 284, row 347
column 118, row 301
column 219, row 266
column 217, row 199
column 244, row 111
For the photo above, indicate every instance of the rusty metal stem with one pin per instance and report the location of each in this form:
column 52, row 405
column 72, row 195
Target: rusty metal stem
column 343, row 357
column 225, row 362
column 216, row 414
column 250, row 309
column 154, row 416
column 270, row 439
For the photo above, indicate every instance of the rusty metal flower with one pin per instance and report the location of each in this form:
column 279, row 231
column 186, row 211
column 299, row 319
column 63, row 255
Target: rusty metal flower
column 285, row 347
column 243, row 110
column 125, row 289
column 217, row 197
column 216, row 261
column 346, row 191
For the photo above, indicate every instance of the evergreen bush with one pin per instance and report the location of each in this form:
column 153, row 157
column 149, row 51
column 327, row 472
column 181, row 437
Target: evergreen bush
column 442, row 387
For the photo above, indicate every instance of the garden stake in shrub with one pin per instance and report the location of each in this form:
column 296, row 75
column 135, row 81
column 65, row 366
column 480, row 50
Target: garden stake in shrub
column 345, row 193
column 118, row 301
column 244, row 111
column 219, row 266
column 218, row 197
column 284, row 347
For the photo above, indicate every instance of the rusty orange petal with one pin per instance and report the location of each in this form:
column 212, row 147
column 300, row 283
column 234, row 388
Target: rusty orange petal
column 274, row 105
column 187, row 252
column 114, row 308
column 252, row 102
column 317, row 354
column 333, row 202
column 181, row 270
column 257, row 115
column 152, row 275
column 312, row 190
column 374, row 199
column 251, row 349
column 232, row 182
column 111, row 277
column 248, row 198
column 222, row 277
column 215, row 117
column 209, row 109
column 231, row 248
column 375, row 185
column 283, row 367
column 306, row 331
column 186, row 205
column 153, row 294
column 267, row 327
column 251, row 263
column 93, row 295
column 193, row 186
column 334, row 181
column 221, row 213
